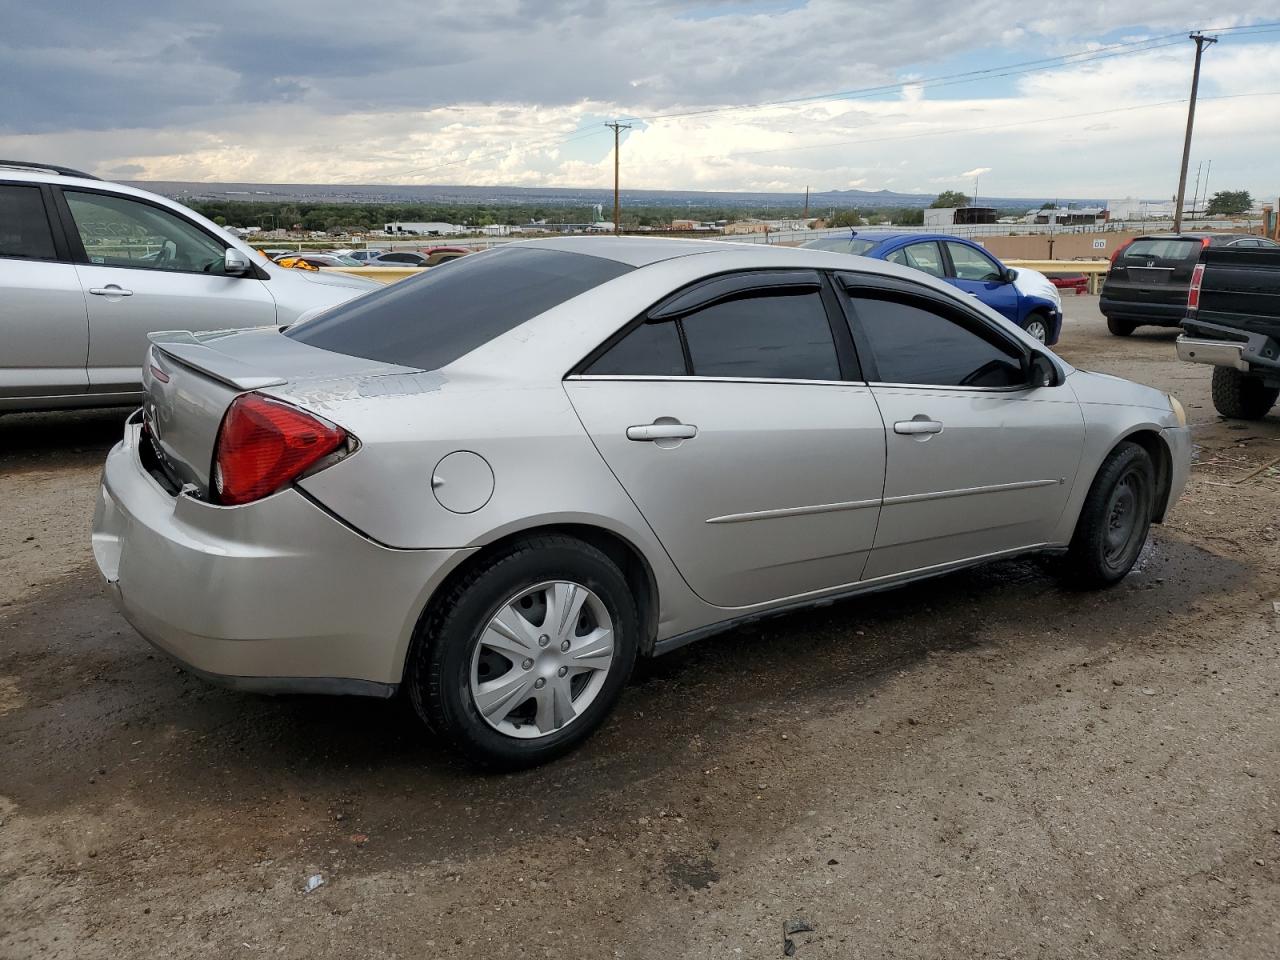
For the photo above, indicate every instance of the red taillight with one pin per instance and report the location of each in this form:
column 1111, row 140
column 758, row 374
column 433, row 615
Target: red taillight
column 1193, row 292
column 264, row 444
column 1120, row 250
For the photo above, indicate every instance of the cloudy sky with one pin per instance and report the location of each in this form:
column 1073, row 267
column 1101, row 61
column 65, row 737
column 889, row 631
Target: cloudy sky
column 910, row 95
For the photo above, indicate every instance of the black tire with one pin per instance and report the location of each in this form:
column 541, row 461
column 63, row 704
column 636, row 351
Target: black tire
column 439, row 670
column 1043, row 317
column 1114, row 520
column 1240, row 396
column 1120, row 327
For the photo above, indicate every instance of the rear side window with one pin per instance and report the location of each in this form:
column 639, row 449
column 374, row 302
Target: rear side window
column 24, row 228
column 922, row 256
column 650, row 350
column 778, row 336
column 431, row 320
column 1164, row 249
column 915, row 343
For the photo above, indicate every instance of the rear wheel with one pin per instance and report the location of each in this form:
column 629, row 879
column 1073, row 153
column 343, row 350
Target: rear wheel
column 1114, row 520
column 1240, row 396
column 524, row 657
column 1120, row 327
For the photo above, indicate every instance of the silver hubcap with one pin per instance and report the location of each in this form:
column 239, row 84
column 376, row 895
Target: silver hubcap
column 1037, row 330
column 542, row 659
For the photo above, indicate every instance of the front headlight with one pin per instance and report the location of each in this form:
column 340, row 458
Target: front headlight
column 1178, row 412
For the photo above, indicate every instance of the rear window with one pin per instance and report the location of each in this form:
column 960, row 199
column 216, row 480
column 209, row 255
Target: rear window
column 431, row 320
column 841, row 244
column 1164, row 249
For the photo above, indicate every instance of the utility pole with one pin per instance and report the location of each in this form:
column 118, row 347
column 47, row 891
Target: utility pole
column 1201, row 40
column 1195, row 191
column 1205, row 196
column 617, row 128
column 806, row 203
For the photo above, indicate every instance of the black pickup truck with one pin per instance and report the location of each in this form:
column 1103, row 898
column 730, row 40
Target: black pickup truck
column 1233, row 323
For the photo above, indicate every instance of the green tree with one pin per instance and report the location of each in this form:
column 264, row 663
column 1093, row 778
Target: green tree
column 845, row 218
column 220, row 221
column 1228, row 202
column 951, row 198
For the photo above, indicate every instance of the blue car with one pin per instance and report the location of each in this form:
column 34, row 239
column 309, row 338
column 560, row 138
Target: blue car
column 1023, row 296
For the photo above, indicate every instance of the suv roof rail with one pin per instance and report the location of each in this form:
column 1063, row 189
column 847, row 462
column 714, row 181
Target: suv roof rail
column 50, row 167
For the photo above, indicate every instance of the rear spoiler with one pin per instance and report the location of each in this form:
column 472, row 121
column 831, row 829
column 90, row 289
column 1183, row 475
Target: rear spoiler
column 183, row 346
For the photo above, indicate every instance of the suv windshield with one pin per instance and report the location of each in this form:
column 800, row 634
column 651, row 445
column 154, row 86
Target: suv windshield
column 429, row 321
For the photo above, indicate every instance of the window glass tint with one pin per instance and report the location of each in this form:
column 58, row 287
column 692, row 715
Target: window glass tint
column 971, row 264
column 431, row 320
column 782, row 335
column 913, row 344
column 651, row 349
column 118, row 232
column 24, row 228
column 921, row 256
column 840, row 244
column 1163, row 249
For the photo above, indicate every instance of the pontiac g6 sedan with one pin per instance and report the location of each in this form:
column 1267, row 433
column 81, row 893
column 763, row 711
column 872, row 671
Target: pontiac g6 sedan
column 499, row 484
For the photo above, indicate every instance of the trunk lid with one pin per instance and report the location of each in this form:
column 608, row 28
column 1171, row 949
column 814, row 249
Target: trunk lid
column 191, row 379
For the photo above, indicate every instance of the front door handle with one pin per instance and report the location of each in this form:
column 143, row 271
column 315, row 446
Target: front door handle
column 110, row 290
column 662, row 431
column 915, row 427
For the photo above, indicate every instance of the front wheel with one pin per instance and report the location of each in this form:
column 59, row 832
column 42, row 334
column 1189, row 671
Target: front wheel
column 1114, row 520
column 524, row 657
column 1038, row 328
column 1240, row 396
column 1119, row 327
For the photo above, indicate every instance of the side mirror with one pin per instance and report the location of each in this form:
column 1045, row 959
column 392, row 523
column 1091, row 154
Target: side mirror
column 1041, row 371
column 235, row 263
column 1010, row 274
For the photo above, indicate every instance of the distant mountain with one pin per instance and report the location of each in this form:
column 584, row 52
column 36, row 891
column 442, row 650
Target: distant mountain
column 693, row 199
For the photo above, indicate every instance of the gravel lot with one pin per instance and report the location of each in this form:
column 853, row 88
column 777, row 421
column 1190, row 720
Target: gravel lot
column 984, row 766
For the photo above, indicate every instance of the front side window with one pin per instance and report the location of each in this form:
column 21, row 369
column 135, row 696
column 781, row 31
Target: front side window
column 921, row 256
column 971, row 264
column 781, row 335
column 120, row 232
column 24, row 227
column 916, row 342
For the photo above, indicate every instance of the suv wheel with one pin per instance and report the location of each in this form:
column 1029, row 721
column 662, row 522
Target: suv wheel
column 525, row 656
column 1240, row 396
column 1119, row 327
column 1114, row 520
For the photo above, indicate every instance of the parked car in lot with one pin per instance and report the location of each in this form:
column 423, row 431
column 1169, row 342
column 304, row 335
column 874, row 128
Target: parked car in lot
column 599, row 449
column 361, row 256
column 89, row 268
column 1233, row 323
column 1077, row 283
column 1149, row 277
column 1023, row 296
column 318, row 260
column 431, row 257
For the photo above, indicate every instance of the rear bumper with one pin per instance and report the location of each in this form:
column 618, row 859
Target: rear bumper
column 276, row 596
column 1218, row 353
column 1154, row 314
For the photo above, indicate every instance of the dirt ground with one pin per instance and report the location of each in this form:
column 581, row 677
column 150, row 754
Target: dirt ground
column 984, row 766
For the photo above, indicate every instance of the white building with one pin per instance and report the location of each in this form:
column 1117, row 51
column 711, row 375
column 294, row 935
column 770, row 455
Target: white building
column 423, row 229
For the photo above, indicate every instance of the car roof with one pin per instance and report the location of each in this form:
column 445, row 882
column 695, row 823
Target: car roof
column 633, row 251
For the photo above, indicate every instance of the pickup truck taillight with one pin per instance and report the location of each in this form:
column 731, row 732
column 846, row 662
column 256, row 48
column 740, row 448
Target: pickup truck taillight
column 264, row 444
column 1193, row 292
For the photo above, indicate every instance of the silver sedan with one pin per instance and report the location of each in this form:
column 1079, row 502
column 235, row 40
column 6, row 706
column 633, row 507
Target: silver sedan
column 495, row 486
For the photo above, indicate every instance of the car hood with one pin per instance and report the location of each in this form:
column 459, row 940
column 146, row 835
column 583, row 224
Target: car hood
column 344, row 280
column 1033, row 283
column 1091, row 387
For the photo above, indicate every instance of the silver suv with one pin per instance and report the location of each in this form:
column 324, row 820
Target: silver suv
column 89, row 268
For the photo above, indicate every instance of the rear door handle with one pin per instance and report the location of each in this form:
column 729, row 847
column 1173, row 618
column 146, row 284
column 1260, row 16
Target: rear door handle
column 662, row 431
column 913, row 427
column 110, row 290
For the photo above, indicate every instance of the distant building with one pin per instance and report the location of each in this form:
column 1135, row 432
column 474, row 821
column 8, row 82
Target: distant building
column 1130, row 208
column 423, row 229
column 1067, row 216
column 958, row 216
